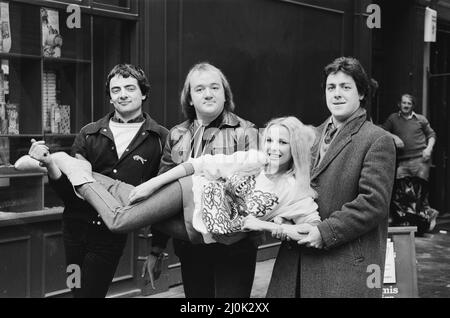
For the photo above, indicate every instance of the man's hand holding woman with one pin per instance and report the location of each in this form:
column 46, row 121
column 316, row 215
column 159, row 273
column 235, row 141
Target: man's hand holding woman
column 40, row 152
column 304, row 233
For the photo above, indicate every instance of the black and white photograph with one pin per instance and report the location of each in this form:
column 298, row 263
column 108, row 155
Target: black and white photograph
column 224, row 154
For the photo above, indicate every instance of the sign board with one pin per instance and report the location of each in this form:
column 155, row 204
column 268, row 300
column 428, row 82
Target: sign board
column 430, row 27
column 389, row 268
column 400, row 274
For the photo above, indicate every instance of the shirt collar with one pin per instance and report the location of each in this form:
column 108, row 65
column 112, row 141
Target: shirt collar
column 149, row 124
column 226, row 118
column 215, row 123
column 413, row 114
column 138, row 119
column 360, row 111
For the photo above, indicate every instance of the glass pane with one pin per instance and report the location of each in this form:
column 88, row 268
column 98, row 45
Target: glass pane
column 111, row 36
column 20, row 22
column 62, row 41
column 19, row 146
column 66, row 96
column 20, row 96
column 21, row 194
column 4, row 152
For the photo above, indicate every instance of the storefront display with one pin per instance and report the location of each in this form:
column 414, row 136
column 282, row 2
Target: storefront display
column 49, row 75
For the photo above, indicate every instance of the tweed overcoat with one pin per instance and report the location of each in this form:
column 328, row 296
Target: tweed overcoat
column 354, row 183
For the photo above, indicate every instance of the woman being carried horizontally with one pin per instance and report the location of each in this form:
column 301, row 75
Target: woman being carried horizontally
column 230, row 193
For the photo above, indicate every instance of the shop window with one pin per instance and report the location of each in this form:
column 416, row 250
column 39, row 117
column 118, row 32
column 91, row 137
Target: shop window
column 51, row 85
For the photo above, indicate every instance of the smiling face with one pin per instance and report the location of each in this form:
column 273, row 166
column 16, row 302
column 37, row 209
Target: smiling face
column 126, row 96
column 207, row 95
column 406, row 106
column 277, row 146
column 342, row 96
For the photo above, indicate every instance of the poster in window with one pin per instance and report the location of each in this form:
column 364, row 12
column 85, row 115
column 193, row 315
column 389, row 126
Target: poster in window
column 5, row 29
column 51, row 38
column 12, row 114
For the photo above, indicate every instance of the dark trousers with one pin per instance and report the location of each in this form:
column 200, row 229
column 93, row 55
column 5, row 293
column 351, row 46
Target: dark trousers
column 96, row 251
column 217, row 270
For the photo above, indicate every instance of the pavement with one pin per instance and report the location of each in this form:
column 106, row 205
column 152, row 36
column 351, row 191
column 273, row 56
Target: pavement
column 433, row 261
column 433, row 266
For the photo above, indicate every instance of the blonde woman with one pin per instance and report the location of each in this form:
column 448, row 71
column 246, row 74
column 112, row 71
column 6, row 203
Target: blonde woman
column 230, row 193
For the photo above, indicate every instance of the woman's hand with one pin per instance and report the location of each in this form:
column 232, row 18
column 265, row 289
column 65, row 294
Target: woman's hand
column 40, row 152
column 288, row 232
column 279, row 233
column 143, row 191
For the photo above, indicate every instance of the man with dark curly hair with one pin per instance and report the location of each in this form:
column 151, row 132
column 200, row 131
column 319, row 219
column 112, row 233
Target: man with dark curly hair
column 127, row 145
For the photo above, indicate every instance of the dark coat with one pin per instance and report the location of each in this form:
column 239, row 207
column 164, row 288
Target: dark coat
column 354, row 183
column 95, row 142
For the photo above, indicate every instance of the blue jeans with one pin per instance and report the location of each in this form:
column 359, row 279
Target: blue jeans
column 96, row 251
column 109, row 197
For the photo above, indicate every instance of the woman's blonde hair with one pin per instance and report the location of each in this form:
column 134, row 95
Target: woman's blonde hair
column 301, row 141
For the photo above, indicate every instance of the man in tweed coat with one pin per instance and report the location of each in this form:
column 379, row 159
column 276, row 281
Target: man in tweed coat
column 353, row 171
